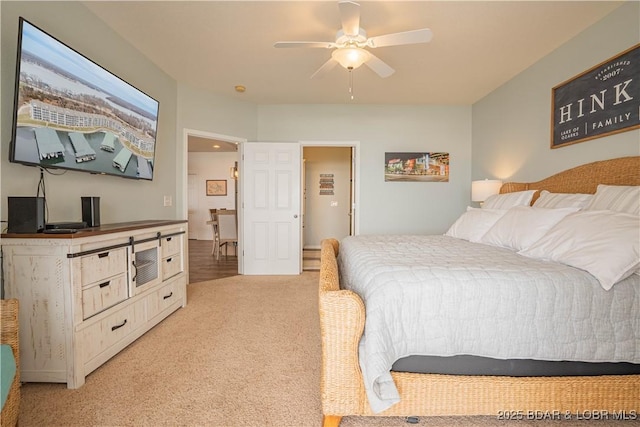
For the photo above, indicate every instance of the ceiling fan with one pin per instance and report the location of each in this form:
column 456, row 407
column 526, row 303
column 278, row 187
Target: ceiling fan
column 351, row 41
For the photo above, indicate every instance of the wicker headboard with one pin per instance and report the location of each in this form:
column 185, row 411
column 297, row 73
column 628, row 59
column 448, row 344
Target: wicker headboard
column 585, row 178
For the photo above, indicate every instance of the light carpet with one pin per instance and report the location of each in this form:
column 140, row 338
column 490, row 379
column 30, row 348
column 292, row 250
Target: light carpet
column 245, row 351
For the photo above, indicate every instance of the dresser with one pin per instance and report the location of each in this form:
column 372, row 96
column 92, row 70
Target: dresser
column 86, row 296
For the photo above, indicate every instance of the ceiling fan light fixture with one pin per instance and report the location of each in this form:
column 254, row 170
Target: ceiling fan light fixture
column 350, row 57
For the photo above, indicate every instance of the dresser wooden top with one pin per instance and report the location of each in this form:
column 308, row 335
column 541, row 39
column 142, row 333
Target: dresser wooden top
column 95, row 231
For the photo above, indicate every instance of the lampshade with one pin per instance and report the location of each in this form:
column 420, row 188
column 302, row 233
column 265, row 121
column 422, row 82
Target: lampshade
column 481, row 190
column 350, row 57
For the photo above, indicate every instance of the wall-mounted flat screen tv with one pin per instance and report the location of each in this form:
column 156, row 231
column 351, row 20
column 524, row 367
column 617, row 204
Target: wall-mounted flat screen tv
column 71, row 113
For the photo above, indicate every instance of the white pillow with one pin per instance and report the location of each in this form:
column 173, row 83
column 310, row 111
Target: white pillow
column 604, row 243
column 509, row 200
column 474, row 223
column 619, row 198
column 562, row 200
column 522, row 226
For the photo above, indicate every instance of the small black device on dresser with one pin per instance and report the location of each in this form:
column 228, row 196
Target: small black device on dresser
column 66, row 225
column 91, row 211
column 60, row 231
column 26, row 214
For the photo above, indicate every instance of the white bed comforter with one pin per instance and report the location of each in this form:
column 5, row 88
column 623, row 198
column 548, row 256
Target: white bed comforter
column 441, row 296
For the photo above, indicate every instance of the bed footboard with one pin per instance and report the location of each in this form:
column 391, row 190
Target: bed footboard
column 342, row 317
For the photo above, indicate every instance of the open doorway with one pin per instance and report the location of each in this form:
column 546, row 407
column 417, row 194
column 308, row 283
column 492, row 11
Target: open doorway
column 329, row 196
column 211, row 184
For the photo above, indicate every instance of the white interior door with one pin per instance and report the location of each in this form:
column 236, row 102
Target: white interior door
column 271, row 208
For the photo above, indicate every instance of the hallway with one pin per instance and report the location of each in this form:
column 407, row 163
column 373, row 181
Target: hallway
column 203, row 266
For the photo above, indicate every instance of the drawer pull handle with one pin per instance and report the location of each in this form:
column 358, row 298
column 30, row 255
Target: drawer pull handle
column 168, row 296
column 103, row 255
column 113, row 328
column 169, row 239
column 169, row 259
column 105, row 284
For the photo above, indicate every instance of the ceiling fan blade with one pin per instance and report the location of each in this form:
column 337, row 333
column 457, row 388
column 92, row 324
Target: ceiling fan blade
column 326, row 67
column 325, row 45
column 379, row 66
column 407, row 37
column 350, row 16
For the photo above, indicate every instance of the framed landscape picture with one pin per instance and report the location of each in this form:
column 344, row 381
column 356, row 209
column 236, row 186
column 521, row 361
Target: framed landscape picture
column 216, row 187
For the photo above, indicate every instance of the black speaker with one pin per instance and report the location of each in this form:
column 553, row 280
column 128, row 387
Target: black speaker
column 91, row 211
column 26, row 214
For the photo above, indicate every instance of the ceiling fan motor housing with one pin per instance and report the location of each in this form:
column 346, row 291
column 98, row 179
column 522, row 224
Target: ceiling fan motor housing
column 344, row 40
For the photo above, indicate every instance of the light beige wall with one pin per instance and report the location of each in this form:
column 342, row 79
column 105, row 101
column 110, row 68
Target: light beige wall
column 207, row 112
column 121, row 199
column 326, row 215
column 205, row 166
column 388, row 207
column 511, row 126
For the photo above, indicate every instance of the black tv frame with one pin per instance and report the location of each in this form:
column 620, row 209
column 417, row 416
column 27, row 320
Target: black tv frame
column 110, row 129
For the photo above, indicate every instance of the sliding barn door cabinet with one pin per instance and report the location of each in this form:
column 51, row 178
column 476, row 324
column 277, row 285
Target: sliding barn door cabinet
column 86, row 296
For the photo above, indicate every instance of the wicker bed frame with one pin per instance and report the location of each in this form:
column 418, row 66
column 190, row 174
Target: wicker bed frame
column 342, row 317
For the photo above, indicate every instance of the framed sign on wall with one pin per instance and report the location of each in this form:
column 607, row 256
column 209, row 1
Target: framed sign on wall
column 601, row 101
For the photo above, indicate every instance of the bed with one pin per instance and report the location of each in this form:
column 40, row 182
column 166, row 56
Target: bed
column 342, row 321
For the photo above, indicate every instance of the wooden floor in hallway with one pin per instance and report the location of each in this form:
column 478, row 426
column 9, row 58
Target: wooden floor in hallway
column 203, row 265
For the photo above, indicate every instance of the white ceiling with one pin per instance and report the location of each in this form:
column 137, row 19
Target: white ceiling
column 477, row 45
column 199, row 144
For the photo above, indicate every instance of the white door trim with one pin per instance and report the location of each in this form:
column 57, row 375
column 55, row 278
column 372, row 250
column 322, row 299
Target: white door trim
column 355, row 174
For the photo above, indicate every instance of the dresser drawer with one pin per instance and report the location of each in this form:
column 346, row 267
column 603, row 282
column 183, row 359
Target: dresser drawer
column 171, row 245
column 171, row 266
column 101, row 335
column 165, row 297
column 102, row 295
column 98, row 267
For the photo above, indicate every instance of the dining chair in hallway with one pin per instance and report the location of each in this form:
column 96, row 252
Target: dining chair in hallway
column 213, row 222
column 227, row 231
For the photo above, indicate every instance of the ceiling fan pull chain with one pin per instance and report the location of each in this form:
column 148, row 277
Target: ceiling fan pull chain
column 351, row 82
